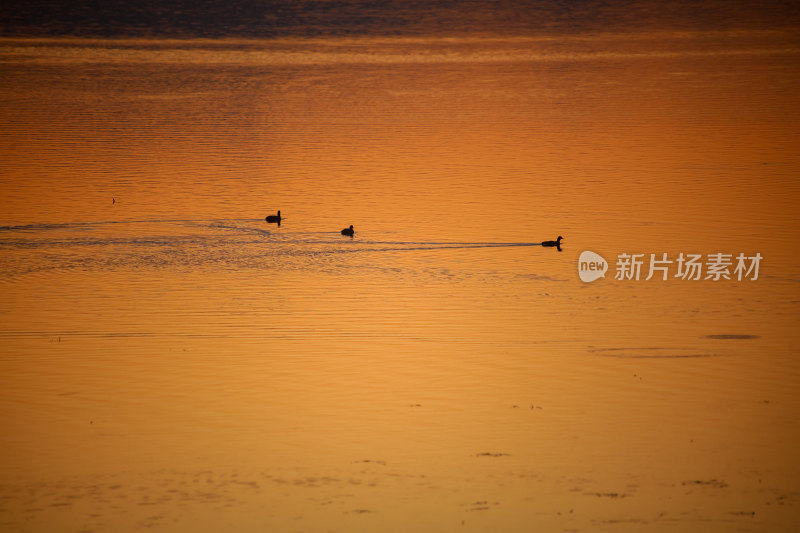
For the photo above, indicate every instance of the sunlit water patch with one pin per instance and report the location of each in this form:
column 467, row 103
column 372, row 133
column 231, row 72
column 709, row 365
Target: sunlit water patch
column 172, row 361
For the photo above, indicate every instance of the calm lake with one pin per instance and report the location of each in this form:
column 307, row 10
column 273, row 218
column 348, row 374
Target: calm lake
column 172, row 362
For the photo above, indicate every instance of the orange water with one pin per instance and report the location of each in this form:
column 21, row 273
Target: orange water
column 172, row 362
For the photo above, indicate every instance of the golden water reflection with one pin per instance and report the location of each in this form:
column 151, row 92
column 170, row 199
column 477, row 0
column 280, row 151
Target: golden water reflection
column 172, row 362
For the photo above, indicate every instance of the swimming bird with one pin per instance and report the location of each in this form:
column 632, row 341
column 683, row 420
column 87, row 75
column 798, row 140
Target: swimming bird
column 274, row 218
column 556, row 242
column 348, row 231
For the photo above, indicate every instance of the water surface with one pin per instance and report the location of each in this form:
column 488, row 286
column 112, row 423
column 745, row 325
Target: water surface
column 172, row 362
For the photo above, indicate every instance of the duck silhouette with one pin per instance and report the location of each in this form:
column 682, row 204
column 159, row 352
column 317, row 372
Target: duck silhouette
column 274, row 219
column 348, row 231
column 556, row 242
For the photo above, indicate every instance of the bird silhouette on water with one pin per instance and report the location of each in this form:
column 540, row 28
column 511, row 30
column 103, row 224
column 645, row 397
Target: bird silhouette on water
column 274, row 219
column 349, row 231
column 556, row 243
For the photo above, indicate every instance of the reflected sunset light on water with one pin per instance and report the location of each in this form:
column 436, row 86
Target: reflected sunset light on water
column 172, row 361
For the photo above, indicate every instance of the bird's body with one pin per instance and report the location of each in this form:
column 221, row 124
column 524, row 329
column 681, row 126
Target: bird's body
column 348, row 231
column 556, row 242
column 274, row 218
